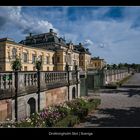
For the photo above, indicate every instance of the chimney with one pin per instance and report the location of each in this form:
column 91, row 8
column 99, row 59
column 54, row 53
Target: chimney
column 30, row 34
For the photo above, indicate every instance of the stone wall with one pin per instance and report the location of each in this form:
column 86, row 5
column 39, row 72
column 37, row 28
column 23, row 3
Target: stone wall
column 56, row 96
column 21, row 89
column 5, row 109
column 23, row 106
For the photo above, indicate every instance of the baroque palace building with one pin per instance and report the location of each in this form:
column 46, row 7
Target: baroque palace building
column 52, row 50
column 10, row 49
column 97, row 63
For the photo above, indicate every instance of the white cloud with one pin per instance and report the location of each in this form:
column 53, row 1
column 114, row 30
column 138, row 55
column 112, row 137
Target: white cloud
column 88, row 42
column 24, row 22
column 114, row 40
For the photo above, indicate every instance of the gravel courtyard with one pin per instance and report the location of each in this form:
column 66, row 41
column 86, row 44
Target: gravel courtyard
column 119, row 108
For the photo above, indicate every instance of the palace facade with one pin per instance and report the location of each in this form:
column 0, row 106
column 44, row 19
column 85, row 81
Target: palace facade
column 10, row 50
column 52, row 50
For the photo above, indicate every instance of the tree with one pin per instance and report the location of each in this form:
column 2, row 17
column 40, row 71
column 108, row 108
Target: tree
column 16, row 64
column 114, row 66
column 126, row 65
column 120, row 65
column 108, row 66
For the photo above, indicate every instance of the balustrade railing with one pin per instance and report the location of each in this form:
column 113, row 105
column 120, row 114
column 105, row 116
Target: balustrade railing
column 56, row 77
column 13, row 83
column 6, row 80
column 30, row 79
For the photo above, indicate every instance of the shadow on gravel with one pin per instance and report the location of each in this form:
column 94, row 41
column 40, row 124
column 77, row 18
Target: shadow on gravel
column 117, row 118
column 129, row 92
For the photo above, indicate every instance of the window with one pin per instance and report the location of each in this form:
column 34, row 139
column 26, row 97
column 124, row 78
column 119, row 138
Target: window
column 25, row 68
column 73, row 93
column 8, row 54
column 34, row 68
column 47, row 60
column 58, row 59
column 65, row 58
column 40, row 58
column 47, row 68
column 25, row 57
column 74, row 62
column 95, row 64
column 53, row 60
column 14, row 53
column 33, row 58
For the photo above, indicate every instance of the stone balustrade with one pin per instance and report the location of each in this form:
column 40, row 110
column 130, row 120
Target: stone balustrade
column 55, row 79
column 27, row 82
column 6, row 80
column 115, row 75
column 30, row 79
column 7, row 85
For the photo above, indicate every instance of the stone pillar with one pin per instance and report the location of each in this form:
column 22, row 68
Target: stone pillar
column 19, row 89
column 42, row 81
column 20, row 82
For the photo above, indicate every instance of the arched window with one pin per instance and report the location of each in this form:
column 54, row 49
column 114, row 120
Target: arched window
column 14, row 53
column 32, row 105
column 40, row 58
column 33, row 58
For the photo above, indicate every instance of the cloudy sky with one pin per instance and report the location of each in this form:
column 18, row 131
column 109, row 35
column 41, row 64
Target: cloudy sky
column 113, row 33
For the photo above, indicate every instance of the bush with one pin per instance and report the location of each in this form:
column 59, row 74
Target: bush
column 81, row 107
column 68, row 121
column 93, row 103
column 35, row 120
column 64, row 115
column 111, row 86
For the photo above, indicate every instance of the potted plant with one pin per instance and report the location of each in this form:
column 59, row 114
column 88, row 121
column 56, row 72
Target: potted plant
column 38, row 65
column 16, row 64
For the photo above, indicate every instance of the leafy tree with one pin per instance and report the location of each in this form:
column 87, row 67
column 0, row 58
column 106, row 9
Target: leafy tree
column 120, row 65
column 126, row 65
column 108, row 66
column 114, row 66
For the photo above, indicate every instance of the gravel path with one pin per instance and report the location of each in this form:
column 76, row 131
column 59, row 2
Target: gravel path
column 119, row 108
column 133, row 81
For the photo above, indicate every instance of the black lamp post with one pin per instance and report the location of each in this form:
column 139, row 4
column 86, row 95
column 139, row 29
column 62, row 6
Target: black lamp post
column 38, row 67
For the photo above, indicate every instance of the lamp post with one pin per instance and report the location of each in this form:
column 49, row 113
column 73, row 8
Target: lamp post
column 38, row 67
column 67, row 69
column 16, row 66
